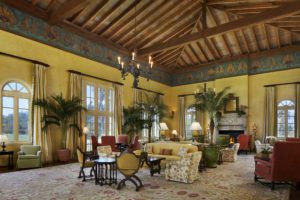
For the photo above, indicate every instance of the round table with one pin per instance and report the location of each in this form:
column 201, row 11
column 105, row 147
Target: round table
column 106, row 171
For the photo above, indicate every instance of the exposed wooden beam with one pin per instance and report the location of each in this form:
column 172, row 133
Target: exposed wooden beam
column 266, row 35
column 25, row 6
column 271, row 14
column 92, row 16
column 271, row 52
column 244, row 40
column 252, row 31
column 67, row 9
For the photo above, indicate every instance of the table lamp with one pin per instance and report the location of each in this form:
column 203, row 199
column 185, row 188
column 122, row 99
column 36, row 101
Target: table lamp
column 163, row 128
column 85, row 130
column 195, row 127
column 174, row 133
column 3, row 139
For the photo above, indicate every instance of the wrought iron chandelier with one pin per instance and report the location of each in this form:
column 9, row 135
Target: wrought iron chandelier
column 133, row 67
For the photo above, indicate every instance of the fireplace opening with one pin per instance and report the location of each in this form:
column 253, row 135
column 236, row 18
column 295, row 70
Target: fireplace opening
column 233, row 134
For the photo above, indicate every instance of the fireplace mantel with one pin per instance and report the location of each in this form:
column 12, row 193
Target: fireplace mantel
column 233, row 122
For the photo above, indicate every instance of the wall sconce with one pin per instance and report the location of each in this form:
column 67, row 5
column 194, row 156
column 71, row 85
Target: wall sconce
column 172, row 113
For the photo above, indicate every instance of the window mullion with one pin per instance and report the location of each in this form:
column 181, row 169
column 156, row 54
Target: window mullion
column 16, row 119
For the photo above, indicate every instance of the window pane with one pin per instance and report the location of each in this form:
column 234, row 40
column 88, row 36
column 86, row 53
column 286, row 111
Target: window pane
column 8, row 102
column 101, row 99
column 101, row 126
column 7, row 88
column 90, row 103
column 281, row 127
column 90, row 97
column 291, row 113
column 291, row 120
column 110, row 100
column 13, row 85
column 90, row 123
column 281, row 134
column 23, row 103
column 110, row 126
column 291, row 133
column 23, row 125
column 7, row 122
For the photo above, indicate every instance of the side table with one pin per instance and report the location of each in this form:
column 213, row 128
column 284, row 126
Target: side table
column 10, row 158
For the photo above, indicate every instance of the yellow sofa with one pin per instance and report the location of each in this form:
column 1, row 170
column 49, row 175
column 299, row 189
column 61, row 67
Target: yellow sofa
column 156, row 147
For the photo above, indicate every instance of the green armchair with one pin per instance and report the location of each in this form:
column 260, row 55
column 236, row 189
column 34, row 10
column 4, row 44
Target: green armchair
column 29, row 157
column 223, row 141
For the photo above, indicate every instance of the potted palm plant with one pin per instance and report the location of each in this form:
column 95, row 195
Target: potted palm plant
column 133, row 122
column 154, row 110
column 211, row 102
column 61, row 113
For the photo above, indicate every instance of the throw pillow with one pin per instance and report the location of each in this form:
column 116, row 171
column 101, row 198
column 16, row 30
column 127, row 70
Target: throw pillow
column 165, row 152
column 148, row 149
column 182, row 151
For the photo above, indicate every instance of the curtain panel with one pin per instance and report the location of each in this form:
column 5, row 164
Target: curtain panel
column 118, row 106
column 182, row 102
column 297, row 110
column 270, row 112
column 73, row 136
column 40, row 136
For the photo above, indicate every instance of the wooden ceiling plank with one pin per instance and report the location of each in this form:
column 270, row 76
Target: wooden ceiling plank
column 165, row 16
column 120, row 16
column 34, row 2
column 123, row 24
column 130, row 28
column 83, row 12
column 154, row 33
column 168, row 63
column 67, row 9
column 266, row 35
column 244, row 40
column 252, row 31
column 278, row 38
column 190, row 58
column 202, row 51
column 215, row 23
column 196, row 54
column 106, row 15
column 163, row 56
column 94, row 13
column 272, row 14
column 170, row 57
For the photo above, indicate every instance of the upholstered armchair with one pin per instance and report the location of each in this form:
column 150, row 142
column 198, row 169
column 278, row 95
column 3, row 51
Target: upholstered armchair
column 29, row 157
column 109, row 140
column 259, row 146
column 245, row 142
column 106, row 151
column 184, row 170
column 230, row 154
column 281, row 166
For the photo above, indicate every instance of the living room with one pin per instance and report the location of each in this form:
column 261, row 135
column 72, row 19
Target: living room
column 199, row 119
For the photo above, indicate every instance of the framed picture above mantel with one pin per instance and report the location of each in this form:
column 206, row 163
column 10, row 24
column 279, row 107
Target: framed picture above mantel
column 232, row 105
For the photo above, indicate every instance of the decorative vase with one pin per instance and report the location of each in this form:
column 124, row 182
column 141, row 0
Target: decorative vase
column 211, row 155
column 64, row 155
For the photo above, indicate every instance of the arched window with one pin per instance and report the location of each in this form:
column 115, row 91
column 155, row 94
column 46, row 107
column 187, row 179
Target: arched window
column 190, row 117
column 15, row 112
column 285, row 119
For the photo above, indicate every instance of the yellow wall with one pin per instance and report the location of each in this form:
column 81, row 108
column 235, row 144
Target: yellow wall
column 249, row 88
column 57, row 75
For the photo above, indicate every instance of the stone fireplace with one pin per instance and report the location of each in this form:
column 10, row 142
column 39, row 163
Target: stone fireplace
column 233, row 125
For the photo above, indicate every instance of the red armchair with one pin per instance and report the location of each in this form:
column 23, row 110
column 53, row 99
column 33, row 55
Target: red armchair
column 109, row 140
column 282, row 166
column 292, row 139
column 122, row 139
column 95, row 143
column 245, row 142
column 135, row 143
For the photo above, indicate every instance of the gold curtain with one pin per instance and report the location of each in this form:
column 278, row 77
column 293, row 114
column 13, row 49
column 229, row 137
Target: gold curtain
column 182, row 116
column 118, row 106
column 298, row 110
column 270, row 124
column 73, row 138
column 40, row 136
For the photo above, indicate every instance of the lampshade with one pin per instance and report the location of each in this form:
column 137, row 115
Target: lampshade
column 174, row 132
column 196, row 126
column 163, row 126
column 3, row 138
column 85, row 130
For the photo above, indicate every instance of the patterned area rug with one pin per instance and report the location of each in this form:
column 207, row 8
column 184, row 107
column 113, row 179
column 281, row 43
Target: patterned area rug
column 227, row 181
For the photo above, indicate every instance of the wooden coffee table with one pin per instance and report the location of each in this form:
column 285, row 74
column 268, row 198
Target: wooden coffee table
column 154, row 164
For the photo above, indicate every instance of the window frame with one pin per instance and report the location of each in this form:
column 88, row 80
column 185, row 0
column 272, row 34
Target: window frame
column 96, row 113
column 286, row 108
column 16, row 95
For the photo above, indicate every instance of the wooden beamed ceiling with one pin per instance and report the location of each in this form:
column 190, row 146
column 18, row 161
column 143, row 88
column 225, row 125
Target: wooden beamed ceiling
column 180, row 35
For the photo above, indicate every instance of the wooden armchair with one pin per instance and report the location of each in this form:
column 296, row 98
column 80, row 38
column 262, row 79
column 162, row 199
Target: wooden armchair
column 84, row 163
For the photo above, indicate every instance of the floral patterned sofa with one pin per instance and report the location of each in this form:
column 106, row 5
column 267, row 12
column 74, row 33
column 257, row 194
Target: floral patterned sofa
column 184, row 170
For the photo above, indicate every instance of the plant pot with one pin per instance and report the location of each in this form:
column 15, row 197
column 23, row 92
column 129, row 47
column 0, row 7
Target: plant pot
column 64, row 155
column 265, row 156
column 211, row 155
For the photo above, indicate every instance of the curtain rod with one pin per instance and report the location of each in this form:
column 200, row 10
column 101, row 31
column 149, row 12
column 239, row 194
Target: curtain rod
column 281, row 84
column 184, row 95
column 26, row 59
column 87, row 75
column 150, row 91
